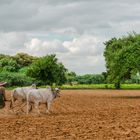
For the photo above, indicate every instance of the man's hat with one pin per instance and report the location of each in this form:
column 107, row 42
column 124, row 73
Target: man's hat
column 3, row 83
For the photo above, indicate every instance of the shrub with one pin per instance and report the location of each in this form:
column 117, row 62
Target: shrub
column 16, row 79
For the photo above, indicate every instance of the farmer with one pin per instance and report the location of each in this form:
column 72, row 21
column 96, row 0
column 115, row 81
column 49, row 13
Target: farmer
column 2, row 94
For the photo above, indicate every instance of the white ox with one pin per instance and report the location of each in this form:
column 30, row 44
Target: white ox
column 20, row 94
column 42, row 96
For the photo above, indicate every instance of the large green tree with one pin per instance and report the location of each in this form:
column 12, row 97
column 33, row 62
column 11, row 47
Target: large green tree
column 48, row 70
column 122, row 58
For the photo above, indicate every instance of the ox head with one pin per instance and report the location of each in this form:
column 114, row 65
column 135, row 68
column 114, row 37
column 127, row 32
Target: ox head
column 57, row 92
column 33, row 86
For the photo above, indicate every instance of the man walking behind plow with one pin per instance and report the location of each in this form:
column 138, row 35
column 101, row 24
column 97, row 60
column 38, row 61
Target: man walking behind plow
column 2, row 95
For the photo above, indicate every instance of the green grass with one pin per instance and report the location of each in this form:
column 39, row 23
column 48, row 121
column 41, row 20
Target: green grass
column 101, row 86
column 94, row 86
column 130, row 86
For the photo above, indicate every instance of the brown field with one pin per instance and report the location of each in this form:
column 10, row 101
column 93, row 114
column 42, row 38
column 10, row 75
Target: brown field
column 78, row 115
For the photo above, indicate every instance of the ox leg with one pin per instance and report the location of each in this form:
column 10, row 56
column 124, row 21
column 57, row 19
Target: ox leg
column 27, row 111
column 29, row 108
column 48, row 107
column 37, row 107
column 22, row 106
column 12, row 103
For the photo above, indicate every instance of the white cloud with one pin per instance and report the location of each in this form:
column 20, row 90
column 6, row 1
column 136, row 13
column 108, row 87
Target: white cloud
column 73, row 29
column 85, row 52
column 39, row 47
column 77, row 16
column 12, row 42
column 85, row 45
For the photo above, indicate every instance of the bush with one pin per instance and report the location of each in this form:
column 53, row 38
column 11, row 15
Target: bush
column 16, row 79
column 48, row 70
column 8, row 64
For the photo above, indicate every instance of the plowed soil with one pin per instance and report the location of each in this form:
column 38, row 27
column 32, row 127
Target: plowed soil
column 77, row 115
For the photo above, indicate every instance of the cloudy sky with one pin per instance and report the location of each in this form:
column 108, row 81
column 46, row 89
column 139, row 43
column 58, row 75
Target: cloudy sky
column 72, row 29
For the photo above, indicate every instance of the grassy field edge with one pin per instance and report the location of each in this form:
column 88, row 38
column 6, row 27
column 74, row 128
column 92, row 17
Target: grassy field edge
column 94, row 86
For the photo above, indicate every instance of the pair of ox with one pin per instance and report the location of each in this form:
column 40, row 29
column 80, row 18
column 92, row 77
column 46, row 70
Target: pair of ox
column 32, row 95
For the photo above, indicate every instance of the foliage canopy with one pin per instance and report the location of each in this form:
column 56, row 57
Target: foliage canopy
column 48, row 70
column 122, row 58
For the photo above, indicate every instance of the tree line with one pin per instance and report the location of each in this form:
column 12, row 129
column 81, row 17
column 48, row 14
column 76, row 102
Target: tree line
column 23, row 69
column 122, row 56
